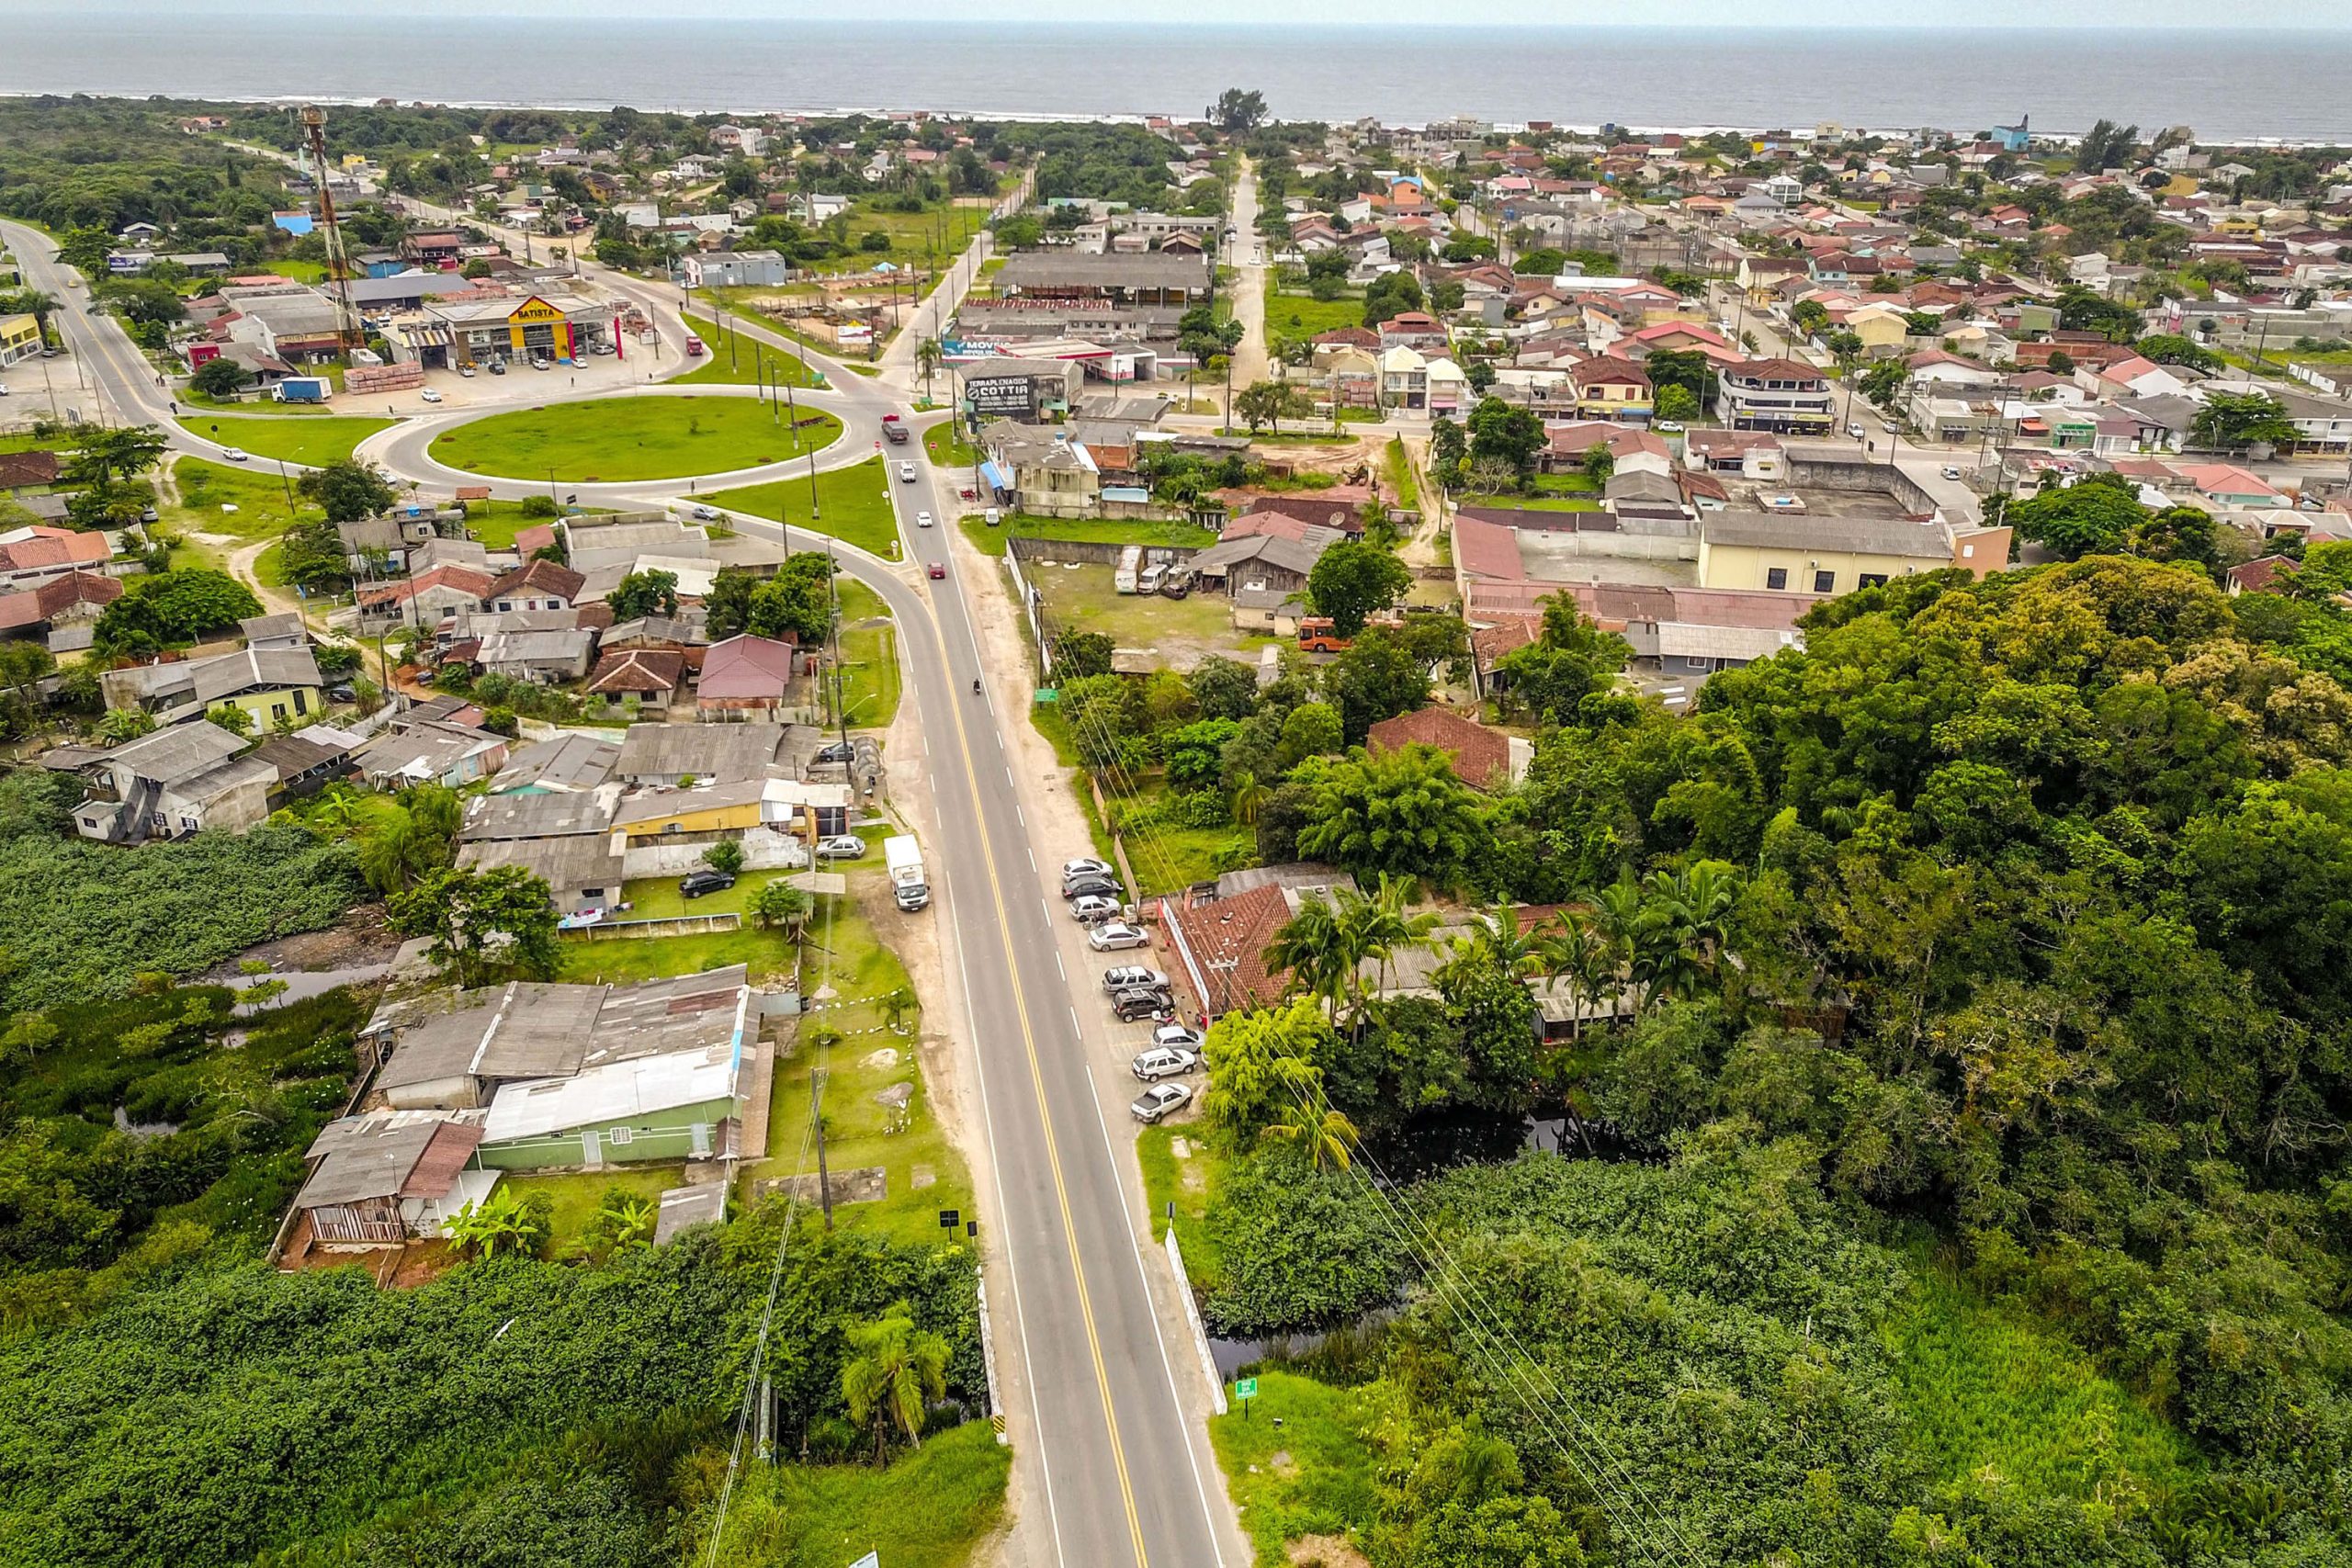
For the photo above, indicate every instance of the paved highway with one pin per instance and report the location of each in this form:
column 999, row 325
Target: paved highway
column 1113, row 1462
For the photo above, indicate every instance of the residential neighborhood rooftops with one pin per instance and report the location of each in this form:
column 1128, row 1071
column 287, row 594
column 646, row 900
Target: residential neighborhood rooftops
column 1866, row 536
column 566, row 762
column 667, row 751
column 745, row 666
column 613, row 1092
column 1482, row 756
column 399, row 1154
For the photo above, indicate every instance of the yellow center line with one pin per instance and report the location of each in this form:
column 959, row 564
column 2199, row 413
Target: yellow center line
column 1045, row 1122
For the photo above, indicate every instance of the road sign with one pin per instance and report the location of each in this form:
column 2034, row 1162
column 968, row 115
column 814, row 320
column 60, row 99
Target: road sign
column 871, row 1560
column 1245, row 1388
column 948, row 1219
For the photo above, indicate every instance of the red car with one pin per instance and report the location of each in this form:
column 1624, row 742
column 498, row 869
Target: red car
column 938, row 572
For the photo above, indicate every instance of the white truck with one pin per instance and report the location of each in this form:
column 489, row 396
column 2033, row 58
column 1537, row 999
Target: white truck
column 907, row 884
column 1123, row 581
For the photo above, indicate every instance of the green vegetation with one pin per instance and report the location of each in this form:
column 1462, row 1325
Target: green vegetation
column 94, row 1212
column 495, row 522
column 619, row 961
column 870, row 675
column 1397, row 465
column 1082, row 599
column 1082, row 531
column 309, row 442
column 1186, row 1181
column 930, row 1509
column 853, row 505
column 1299, row 316
column 945, row 444
column 259, row 495
column 658, row 898
column 610, row 440
column 2058, row 850
column 747, row 363
column 1312, row 1475
column 83, row 919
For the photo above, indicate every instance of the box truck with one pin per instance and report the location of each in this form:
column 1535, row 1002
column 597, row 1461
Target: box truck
column 903, row 856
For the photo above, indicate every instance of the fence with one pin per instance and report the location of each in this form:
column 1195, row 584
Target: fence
column 676, row 925
column 1030, row 601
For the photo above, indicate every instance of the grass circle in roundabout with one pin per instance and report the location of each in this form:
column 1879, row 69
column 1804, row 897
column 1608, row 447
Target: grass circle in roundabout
column 620, row 440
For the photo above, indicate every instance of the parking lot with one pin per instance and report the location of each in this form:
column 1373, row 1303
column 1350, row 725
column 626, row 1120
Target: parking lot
column 1147, row 1052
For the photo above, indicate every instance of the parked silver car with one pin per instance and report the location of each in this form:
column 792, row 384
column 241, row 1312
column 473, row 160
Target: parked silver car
column 1128, row 977
column 1112, row 935
column 1093, row 910
column 1164, row 1062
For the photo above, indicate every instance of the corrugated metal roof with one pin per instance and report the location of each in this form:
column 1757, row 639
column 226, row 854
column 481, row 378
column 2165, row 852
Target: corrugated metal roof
column 617, row 1092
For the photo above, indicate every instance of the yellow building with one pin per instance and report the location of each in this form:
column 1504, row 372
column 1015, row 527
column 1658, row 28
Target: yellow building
column 1883, row 331
column 1794, row 553
column 19, row 337
column 707, row 809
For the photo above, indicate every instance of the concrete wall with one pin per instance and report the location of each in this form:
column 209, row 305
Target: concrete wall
column 1860, row 477
column 1103, row 554
column 764, row 848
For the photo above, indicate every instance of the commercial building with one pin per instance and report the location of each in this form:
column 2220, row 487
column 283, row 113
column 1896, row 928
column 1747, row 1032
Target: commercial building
column 1153, row 278
column 737, row 270
column 19, row 337
column 1779, row 395
column 458, row 330
column 1825, row 556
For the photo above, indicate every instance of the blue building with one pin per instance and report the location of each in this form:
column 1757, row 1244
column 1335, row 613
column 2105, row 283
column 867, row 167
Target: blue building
column 2014, row 138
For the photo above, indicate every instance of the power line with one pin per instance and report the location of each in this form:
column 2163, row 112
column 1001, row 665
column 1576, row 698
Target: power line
column 1516, row 1370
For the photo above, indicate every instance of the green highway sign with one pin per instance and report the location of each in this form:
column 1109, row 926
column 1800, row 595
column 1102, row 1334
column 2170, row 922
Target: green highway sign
column 1245, row 1388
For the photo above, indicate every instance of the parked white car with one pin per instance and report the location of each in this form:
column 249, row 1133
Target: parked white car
column 1112, row 935
column 1158, row 1100
column 841, row 846
column 1090, row 910
column 1087, row 865
column 429, row 395
column 1134, row 976
column 1181, row 1036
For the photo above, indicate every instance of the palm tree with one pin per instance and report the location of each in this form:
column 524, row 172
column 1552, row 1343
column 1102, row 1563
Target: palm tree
column 1688, row 913
column 390, row 857
column 893, row 1367
column 1620, row 917
column 1328, row 1137
column 1248, row 799
column 1312, row 946
column 1496, row 941
column 1381, row 926
column 927, row 353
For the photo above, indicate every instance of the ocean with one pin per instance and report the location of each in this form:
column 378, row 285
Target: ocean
column 2248, row 84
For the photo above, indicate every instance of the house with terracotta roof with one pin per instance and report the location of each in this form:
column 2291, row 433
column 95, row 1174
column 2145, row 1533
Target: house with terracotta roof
column 652, row 675
column 2264, row 574
column 536, row 585
column 1483, row 758
column 745, row 675
column 2229, row 486
column 1218, row 934
column 422, row 599
column 28, row 470
column 60, row 611
column 1612, row 389
column 31, row 555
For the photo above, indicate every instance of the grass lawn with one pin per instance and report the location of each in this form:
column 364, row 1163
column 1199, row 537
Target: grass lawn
column 658, row 898
column 299, row 271
column 945, row 444
column 576, row 1196
column 613, row 440
column 743, row 362
column 1534, row 503
column 1326, row 1487
column 1186, row 1182
column 26, row 441
column 258, row 494
column 1167, row 858
column 495, row 522
column 1303, row 315
column 927, row 240
column 1081, row 599
column 312, row 442
column 620, row 961
column 730, row 301
column 847, row 959
column 930, row 1509
column 1085, row 530
column 870, row 679
column 854, row 505
column 1398, row 463
column 1982, row 1384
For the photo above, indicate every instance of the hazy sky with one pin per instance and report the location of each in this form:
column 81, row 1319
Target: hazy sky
column 2333, row 14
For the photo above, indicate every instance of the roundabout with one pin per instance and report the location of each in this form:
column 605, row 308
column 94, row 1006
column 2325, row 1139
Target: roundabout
column 626, row 440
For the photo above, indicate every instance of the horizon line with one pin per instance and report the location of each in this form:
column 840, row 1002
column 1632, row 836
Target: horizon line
column 493, row 11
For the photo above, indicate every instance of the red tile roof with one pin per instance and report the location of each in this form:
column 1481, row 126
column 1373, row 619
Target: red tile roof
column 745, row 666
column 1481, row 756
column 20, row 470
column 2259, row 576
column 35, row 605
column 464, row 578
column 639, row 669
column 1215, row 933
column 544, row 577
column 53, row 548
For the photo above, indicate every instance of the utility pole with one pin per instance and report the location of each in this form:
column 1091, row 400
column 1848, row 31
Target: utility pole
column 817, row 1118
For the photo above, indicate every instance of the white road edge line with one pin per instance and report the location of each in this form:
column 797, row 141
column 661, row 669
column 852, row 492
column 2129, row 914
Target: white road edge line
column 1134, row 1250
